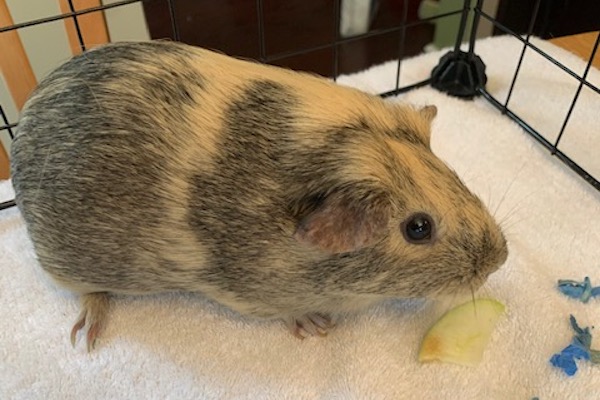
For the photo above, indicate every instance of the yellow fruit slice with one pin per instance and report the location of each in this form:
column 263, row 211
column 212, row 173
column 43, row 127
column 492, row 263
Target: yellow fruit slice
column 461, row 335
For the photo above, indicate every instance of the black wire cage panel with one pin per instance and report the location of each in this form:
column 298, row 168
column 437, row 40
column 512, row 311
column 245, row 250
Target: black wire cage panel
column 460, row 72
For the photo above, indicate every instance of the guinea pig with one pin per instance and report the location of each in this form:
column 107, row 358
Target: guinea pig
column 142, row 168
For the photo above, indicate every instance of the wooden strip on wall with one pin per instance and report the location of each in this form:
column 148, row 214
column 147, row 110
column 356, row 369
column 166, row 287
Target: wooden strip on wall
column 93, row 26
column 4, row 164
column 14, row 63
column 16, row 71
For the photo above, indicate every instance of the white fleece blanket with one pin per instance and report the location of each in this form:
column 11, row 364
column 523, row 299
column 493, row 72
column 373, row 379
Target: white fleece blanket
column 184, row 347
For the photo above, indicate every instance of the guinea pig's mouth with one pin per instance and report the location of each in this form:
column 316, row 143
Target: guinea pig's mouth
column 470, row 278
column 459, row 285
column 480, row 275
column 483, row 267
column 469, row 282
column 476, row 282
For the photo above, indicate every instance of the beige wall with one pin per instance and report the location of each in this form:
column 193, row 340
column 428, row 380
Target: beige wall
column 486, row 28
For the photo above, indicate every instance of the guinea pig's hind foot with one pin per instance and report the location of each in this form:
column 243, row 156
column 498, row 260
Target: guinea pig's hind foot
column 94, row 308
column 309, row 325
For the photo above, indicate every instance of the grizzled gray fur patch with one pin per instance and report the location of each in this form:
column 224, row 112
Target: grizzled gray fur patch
column 56, row 164
column 257, row 127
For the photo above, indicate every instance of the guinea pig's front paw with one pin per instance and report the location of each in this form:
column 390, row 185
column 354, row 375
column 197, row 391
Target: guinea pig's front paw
column 94, row 307
column 309, row 325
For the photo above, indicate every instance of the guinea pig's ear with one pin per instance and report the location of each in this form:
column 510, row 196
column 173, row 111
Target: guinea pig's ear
column 342, row 225
column 428, row 112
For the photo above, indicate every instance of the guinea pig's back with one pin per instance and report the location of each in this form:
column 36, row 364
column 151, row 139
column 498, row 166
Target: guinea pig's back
column 94, row 162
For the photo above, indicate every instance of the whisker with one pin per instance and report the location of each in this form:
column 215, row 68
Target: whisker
column 513, row 216
column 508, row 221
column 508, row 228
column 521, row 201
column 490, row 196
column 509, row 187
column 505, row 221
column 473, row 299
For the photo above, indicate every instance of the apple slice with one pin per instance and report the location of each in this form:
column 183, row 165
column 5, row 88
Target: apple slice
column 460, row 336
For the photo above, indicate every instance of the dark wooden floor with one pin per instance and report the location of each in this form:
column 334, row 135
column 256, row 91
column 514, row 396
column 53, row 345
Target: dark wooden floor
column 232, row 26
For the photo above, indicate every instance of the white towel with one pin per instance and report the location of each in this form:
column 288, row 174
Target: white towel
column 184, row 347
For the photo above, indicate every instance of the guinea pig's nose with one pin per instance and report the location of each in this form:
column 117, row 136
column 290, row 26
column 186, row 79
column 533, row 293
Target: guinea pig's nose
column 503, row 249
column 493, row 253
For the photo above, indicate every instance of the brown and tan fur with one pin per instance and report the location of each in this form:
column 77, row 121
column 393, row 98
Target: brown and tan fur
column 152, row 167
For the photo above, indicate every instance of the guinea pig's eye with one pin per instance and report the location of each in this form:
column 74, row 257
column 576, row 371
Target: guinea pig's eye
column 418, row 229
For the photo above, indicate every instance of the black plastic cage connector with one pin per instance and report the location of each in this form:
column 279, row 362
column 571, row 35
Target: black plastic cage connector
column 459, row 73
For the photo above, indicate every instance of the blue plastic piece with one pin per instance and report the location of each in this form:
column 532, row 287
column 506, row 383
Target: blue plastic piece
column 582, row 291
column 579, row 349
column 565, row 360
